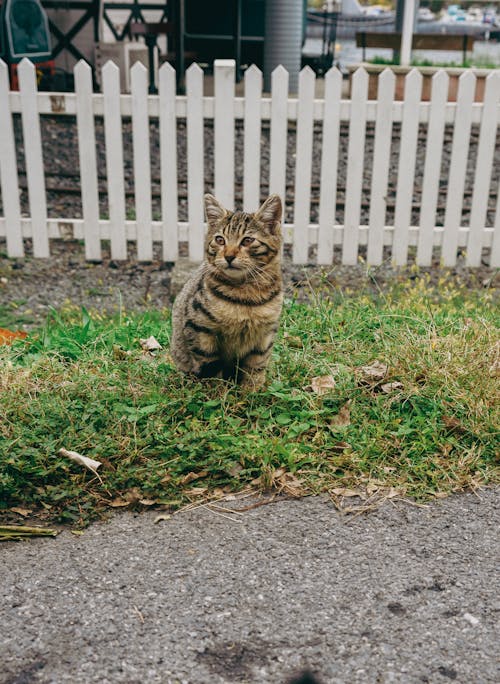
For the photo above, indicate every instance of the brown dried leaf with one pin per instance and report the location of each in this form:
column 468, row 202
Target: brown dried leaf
column 21, row 511
column 193, row 476
column 118, row 503
column 133, row 495
column 323, row 384
column 162, row 516
column 344, row 491
column 147, row 502
column 343, row 417
column 374, row 372
column 391, row 387
column 294, row 341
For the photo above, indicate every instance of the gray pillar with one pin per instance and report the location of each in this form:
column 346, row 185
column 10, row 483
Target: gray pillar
column 283, row 39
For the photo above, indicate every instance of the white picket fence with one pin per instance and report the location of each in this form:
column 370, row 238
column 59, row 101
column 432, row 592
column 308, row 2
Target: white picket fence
column 279, row 112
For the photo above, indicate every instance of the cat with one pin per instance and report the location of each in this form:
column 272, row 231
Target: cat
column 226, row 316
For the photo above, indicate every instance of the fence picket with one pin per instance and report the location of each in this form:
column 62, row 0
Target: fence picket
column 114, row 160
column 355, row 165
column 484, row 166
column 87, row 156
column 495, row 247
column 195, row 148
column 279, row 129
column 432, row 167
column 251, row 144
column 458, row 167
column 224, row 70
column 34, row 159
column 329, row 165
column 380, row 172
column 8, row 171
column 168, row 163
column 406, row 167
column 142, row 163
column 303, row 166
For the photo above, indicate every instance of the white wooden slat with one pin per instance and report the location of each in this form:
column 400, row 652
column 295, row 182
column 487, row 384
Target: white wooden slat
column 495, row 246
column 73, row 228
column 406, row 166
column 251, row 143
column 303, row 166
column 329, row 165
column 458, row 167
column 114, row 160
column 87, row 156
column 33, row 157
column 224, row 131
column 142, row 162
column 195, row 148
column 355, row 165
column 8, row 171
column 432, row 167
column 279, row 129
column 65, row 104
column 484, row 166
column 168, row 162
column 380, row 172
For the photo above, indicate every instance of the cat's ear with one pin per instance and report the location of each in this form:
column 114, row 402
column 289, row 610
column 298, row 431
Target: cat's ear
column 270, row 214
column 214, row 211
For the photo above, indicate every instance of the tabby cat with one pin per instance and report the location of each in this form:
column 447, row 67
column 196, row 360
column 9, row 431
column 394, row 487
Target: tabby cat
column 226, row 316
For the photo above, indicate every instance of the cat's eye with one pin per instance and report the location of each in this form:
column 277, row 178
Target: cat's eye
column 219, row 240
column 247, row 241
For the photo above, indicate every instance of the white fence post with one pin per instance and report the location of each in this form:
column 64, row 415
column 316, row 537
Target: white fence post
column 142, row 164
column 88, row 164
column 432, row 167
column 168, row 163
column 329, row 166
column 484, row 167
column 355, row 167
column 303, row 166
column 8, row 171
column 251, row 145
column 195, row 161
column 458, row 167
column 224, row 70
column 380, row 171
column 279, row 130
column 34, row 158
column 114, row 160
column 406, row 167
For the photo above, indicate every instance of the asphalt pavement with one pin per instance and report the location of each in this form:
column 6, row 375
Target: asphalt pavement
column 401, row 594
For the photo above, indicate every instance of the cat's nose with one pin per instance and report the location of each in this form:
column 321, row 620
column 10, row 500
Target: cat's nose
column 230, row 258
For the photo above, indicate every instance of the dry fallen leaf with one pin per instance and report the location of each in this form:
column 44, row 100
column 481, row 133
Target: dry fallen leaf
column 193, row 476
column 322, row 384
column 8, row 336
column 147, row 502
column 293, row 341
column 150, row 344
column 391, row 387
column 374, row 372
column 118, row 503
column 20, row 511
column 343, row 417
column 344, row 491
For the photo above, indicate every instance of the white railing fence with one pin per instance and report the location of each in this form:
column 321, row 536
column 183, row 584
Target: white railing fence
column 359, row 177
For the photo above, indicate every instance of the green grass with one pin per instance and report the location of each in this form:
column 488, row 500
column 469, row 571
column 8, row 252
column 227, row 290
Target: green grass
column 83, row 383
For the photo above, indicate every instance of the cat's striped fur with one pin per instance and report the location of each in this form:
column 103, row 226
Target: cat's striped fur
column 226, row 317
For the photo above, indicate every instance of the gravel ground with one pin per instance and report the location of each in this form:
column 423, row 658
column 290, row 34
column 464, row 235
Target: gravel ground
column 403, row 594
column 29, row 287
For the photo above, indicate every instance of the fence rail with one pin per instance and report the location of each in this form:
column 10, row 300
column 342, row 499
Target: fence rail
column 315, row 124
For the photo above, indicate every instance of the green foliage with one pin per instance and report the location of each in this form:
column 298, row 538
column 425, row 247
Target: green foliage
column 83, row 382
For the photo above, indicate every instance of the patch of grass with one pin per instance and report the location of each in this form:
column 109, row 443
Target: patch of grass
column 84, row 383
column 476, row 63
